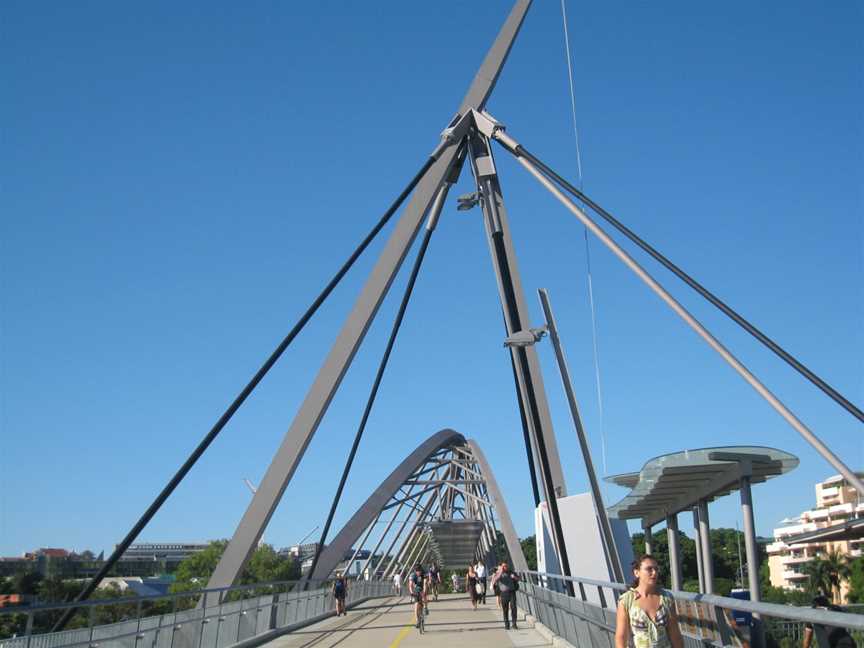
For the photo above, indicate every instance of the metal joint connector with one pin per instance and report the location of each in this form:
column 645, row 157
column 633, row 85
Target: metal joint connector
column 526, row 338
column 486, row 123
column 457, row 129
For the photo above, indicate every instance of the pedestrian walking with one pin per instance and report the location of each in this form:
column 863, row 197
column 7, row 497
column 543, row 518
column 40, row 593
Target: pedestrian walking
column 494, row 584
column 454, row 578
column 473, row 585
column 480, row 570
column 646, row 612
column 340, row 592
column 837, row 637
column 397, row 584
column 506, row 583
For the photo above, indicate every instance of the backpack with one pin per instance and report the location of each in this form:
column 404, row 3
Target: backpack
column 339, row 587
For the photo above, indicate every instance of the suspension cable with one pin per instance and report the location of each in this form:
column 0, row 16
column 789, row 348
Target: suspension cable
column 244, row 394
column 434, row 212
column 594, row 343
column 685, row 315
column 695, row 285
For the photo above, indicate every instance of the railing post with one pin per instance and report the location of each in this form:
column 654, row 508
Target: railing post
column 28, row 628
column 138, row 634
column 91, row 612
column 722, row 626
column 219, row 621
column 274, row 610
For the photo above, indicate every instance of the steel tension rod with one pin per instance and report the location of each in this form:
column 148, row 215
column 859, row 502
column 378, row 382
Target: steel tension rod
column 447, row 140
column 431, row 223
column 727, row 310
column 512, row 146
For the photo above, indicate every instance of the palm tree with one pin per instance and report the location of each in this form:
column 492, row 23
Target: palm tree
column 819, row 578
column 827, row 572
column 839, row 570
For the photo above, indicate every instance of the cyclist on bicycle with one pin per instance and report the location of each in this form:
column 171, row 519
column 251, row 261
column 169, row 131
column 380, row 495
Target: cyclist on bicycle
column 417, row 590
column 435, row 578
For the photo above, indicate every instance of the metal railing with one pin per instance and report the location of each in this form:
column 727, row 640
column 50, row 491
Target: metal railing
column 588, row 619
column 214, row 618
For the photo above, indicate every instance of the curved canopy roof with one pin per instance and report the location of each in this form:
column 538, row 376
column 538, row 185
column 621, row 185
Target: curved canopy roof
column 674, row 482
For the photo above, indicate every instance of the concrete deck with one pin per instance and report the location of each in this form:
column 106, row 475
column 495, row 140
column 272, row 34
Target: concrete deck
column 389, row 623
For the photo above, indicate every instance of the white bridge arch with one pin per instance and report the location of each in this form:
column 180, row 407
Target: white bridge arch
column 441, row 502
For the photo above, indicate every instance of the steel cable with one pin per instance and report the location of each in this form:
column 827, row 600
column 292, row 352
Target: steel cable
column 382, row 366
column 244, row 394
column 699, row 288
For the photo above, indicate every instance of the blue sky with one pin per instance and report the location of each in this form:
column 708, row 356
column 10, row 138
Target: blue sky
column 179, row 182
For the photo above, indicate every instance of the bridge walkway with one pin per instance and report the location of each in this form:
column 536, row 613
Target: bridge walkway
column 389, row 623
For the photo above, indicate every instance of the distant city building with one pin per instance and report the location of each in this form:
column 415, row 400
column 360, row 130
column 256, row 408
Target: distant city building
column 153, row 558
column 304, row 554
column 141, row 560
column 837, row 503
column 175, row 552
column 50, row 563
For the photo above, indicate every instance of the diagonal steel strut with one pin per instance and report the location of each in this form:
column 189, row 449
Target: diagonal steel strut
column 329, row 377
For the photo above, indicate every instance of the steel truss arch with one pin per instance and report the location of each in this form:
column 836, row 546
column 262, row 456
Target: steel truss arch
column 454, row 506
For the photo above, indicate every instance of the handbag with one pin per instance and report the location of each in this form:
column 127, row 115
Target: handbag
column 478, row 588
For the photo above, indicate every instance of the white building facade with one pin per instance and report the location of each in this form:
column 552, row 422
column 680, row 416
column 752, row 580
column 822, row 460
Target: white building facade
column 836, row 502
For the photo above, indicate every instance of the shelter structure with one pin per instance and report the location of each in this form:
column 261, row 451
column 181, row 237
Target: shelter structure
column 688, row 481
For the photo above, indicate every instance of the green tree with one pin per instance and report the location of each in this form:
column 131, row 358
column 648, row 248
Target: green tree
column 856, row 580
column 825, row 573
column 264, row 566
column 500, row 549
column 26, row 583
column 529, row 548
column 818, row 578
column 53, row 590
column 837, row 566
column 198, row 567
column 660, row 551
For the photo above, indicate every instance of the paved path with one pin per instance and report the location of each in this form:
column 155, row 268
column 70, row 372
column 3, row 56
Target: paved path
column 389, row 623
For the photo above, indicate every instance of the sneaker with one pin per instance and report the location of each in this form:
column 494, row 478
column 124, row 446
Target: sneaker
column 515, row 627
column 506, row 627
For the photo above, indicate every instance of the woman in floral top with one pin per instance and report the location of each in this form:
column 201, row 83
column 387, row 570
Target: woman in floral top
column 647, row 613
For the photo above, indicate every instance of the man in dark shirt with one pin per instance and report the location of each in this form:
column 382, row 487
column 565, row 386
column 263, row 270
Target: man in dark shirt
column 508, row 584
column 417, row 589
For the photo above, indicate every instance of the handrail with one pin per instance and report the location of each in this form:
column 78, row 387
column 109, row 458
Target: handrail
column 803, row 614
column 127, row 600
column 273, row 600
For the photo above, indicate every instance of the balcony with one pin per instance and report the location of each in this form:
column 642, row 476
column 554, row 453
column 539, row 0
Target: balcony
column 792, row 576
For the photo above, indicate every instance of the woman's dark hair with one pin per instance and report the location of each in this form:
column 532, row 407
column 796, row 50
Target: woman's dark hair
column 822, row 601
column 636, row 565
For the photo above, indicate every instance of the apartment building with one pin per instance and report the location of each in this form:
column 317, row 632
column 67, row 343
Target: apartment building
column 837, row 503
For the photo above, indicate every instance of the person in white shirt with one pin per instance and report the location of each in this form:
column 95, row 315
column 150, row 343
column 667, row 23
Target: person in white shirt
column 480, row 570
column 397, row 584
